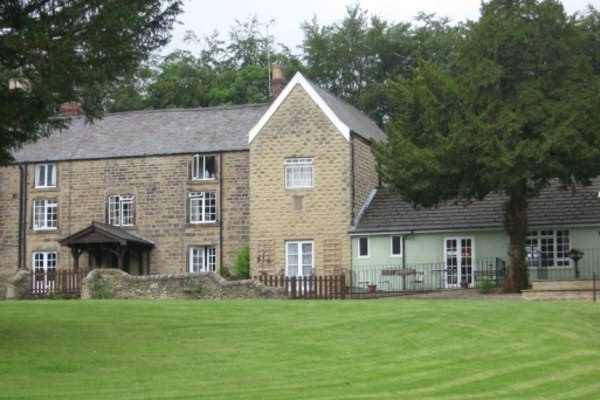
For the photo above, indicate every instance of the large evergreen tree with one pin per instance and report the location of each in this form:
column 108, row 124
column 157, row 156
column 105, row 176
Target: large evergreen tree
column 519, row 110
column 56, row 51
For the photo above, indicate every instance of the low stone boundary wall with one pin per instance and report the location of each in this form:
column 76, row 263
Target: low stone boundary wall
column 4, row 277
column 18, row 285
column 116, row 284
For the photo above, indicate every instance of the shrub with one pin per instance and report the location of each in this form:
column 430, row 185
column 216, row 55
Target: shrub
column 242, row 262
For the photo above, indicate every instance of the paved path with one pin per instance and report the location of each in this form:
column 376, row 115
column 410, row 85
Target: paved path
column 463, row 294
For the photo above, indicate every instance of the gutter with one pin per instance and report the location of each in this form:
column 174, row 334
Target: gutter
column 22, row 240
column 221, row 214
column 404, row 247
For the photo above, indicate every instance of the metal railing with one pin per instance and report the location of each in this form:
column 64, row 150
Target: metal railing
column 411, row 277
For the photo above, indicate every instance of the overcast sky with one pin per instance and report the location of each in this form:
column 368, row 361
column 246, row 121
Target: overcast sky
column 204, row 17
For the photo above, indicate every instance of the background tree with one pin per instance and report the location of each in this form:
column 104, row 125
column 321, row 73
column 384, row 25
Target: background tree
column 519, row 110
column 233, row 71
column 356, row 57
column 68, row 50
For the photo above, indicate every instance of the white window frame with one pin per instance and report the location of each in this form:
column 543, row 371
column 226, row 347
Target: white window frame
column 551, row 245
column 203, row 259
column 299, row 266
column 202, row 207
column 299, row 173
column 121, row 210
column 399, row 254
column 44, row 262
column 359, row 247
column 45, row 176
column 45, row 214
column 200, row 172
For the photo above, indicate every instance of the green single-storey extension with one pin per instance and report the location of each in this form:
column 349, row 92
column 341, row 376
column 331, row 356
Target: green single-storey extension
column 457, row 243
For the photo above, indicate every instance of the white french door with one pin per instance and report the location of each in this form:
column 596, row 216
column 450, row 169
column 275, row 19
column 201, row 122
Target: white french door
column 299, row 258
column 459, row 255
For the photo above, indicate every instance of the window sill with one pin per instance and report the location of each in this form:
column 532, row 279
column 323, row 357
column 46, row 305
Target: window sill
column 198, row 224
column 45, row 231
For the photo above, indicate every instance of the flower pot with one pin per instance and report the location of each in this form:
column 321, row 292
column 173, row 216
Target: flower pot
column 464, row 285
column 372, row 288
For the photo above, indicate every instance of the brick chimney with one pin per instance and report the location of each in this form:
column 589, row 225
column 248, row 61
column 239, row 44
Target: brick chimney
column 277, row 82
column 70, row 109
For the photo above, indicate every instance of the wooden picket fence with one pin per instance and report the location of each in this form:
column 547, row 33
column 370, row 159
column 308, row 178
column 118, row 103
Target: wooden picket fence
column 63, row 282
column 322, row 287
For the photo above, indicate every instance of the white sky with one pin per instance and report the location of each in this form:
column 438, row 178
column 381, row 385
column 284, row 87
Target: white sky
column 203, row 17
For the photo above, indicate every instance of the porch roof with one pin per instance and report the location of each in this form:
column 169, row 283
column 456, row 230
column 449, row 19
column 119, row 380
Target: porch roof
column 554, row 207
column 99, row 233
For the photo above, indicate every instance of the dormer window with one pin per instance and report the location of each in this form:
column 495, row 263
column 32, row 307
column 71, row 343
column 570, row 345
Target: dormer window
column 203, row 168
column 45, row 176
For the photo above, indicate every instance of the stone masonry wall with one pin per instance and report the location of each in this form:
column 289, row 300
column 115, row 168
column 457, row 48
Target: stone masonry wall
column 9, row 219
column 365, row 172
column 321, row 214
column 115, row 284
column 235, row 213
column 160, row 186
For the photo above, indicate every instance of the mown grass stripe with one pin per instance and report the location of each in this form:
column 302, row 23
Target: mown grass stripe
column 386, row 349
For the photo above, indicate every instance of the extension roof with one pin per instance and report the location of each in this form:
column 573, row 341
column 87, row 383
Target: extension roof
column 554, row 207
column 148, row 133
column 345, row 117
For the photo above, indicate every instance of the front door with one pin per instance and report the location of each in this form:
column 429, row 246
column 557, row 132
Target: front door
column 458, row 253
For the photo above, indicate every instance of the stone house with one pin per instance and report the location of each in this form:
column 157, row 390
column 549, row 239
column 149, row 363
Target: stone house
column 183, row 190
column 311, row 169
column 148, row 192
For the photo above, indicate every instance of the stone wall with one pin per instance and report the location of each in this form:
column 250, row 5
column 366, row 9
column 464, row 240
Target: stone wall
column 9, row 218
column 366, row 177
column 115, row 284
column 320, row 214
column 160, row 186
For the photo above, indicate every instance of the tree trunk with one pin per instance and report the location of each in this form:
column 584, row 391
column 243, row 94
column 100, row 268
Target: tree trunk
column 515, row 224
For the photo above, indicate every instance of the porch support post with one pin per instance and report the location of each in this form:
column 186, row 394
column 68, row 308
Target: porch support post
column 121, row 251
column 76, row 253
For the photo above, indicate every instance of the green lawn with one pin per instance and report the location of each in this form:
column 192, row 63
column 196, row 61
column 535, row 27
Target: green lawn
column 380, row 349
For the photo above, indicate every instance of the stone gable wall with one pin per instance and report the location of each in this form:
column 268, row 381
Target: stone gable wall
column 322, row 214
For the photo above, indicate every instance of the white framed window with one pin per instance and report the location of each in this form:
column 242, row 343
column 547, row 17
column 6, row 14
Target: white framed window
column 396, row 246
column 203, row 167
column 299, row 258
column 203, row 207
column 45, row 214
column 203, row 259
column 45, row 176
column 363, row 247
column 121, row 210
column 299, row 173
column 549, row 248
column 44, row 269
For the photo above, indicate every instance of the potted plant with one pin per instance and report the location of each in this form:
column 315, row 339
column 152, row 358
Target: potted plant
column 464, row 284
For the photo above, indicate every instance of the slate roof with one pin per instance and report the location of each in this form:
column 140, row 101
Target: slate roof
column 358, row 122
column 387, row 212
column 141, row 133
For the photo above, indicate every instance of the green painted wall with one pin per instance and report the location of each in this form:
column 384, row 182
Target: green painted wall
column 429, row 247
